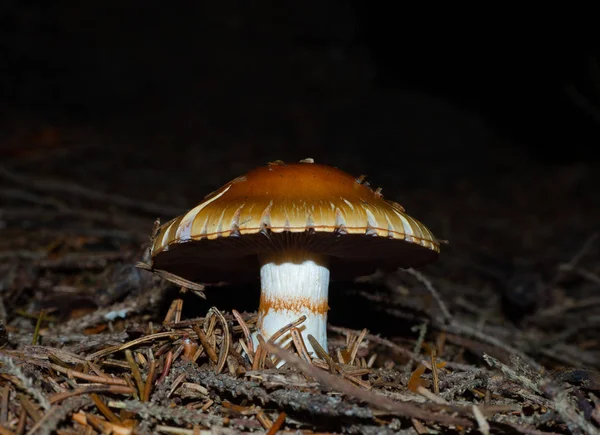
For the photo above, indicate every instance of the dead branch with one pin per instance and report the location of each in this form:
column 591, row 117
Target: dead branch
column 380, row 402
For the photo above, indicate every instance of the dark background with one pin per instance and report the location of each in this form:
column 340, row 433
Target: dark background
column 487, row 132
column 261, row 69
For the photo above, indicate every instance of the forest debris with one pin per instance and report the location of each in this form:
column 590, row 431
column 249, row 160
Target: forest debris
column 198, row 289
column 55, row 415
column 104, row 409
column 213, row 431
column 299, row 344
column 277, row 424
column 558, row 395
column 565, row 408
column 466, row 330
column 226, row 337
column 513, row 375
column 204, row 365
column 179, row 414
column 90, row 378
column 484, row 426
column 511, row 228
column 135, row 372
column 89, row 420
column 380, row 402
column 588, row 379
column 132, row 304
column 248, row 343
column 24, row 382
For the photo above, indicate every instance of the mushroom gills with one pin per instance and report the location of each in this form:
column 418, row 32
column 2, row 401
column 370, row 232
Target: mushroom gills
column 294, row 283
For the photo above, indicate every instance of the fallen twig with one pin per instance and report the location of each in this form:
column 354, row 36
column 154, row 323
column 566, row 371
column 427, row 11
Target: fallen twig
column 380, row 402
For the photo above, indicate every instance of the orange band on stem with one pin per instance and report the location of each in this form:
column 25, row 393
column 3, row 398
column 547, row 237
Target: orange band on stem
column 319, row 306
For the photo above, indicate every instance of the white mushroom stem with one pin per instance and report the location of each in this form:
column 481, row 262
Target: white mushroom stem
column 294, row 283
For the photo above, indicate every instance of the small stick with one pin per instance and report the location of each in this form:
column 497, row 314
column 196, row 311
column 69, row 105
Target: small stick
column 434, row 372
column 32, row 411
column 105, row 410
column 210, row 351
column 199, row 351
column 371, row 360
column 149, row 381
column 104, row 426
column 356, row 371
column 178, row 310
column 225, row 343
column 135, row 371
column 339, row 384
column 235, row 354
column 93, row 367
column 277, row 424
column 429, row 395
column 212, row 321
column 174, row 430
column 355, row 380
column 320, row 364
column 264, row 420
column 167, row 367
column 261, row 360
column 356, row 345
column 22, row 422
column 114, row 389
column 257, row 358
column 245, row 329
column 178, row 380
column 38, row 326
column 283, row 330
column 177, row 353
column 299, row 343
column 91, row 378
column 418, row 345
column 177, row 280
column 245, row 348
column 132, row 343
column 419, row 426
column 320, row 351
column 484, row 426
column 174, row 313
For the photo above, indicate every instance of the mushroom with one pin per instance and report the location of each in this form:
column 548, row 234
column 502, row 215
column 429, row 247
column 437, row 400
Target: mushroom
column 296, row 226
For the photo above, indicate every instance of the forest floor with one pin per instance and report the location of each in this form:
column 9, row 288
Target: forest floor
column 499, row 336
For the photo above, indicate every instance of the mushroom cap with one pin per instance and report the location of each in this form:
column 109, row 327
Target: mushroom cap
column 303, row 206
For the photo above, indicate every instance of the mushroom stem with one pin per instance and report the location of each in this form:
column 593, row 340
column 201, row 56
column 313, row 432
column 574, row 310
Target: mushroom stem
column 294, row 283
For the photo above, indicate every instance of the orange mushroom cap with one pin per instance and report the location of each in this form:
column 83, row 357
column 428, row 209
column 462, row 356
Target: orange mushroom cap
column 291, row 206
